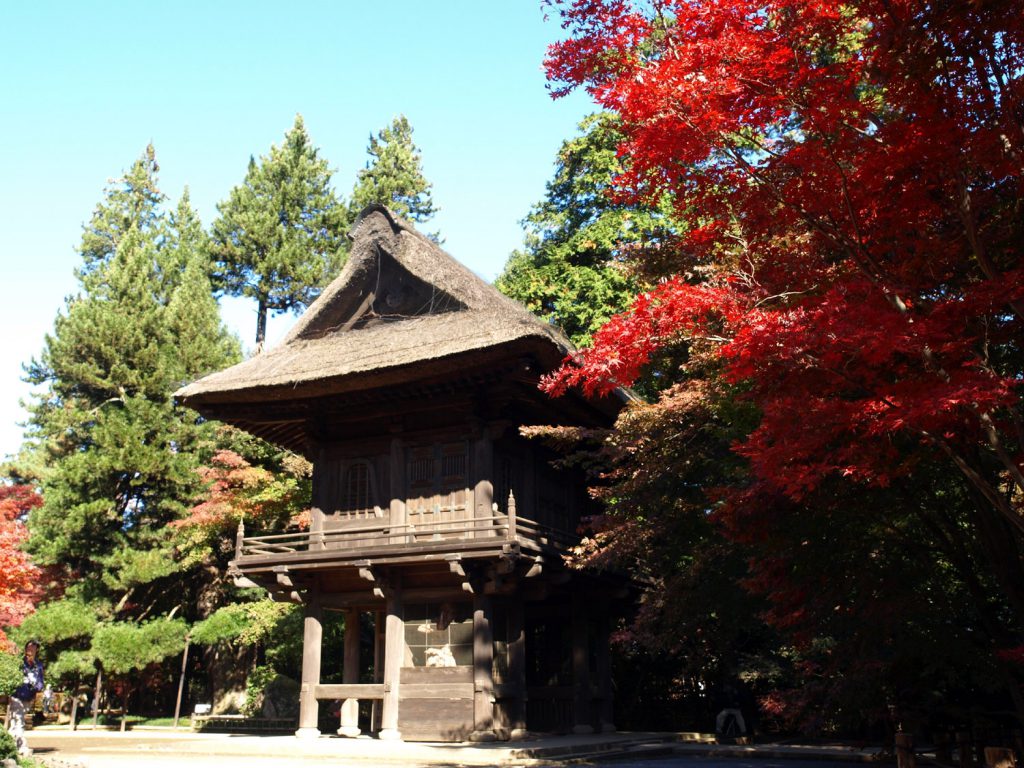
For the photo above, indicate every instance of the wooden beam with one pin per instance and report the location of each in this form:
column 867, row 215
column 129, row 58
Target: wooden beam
column 374, row 575
column 283, row 577
column 437, row 690
column 350, row 691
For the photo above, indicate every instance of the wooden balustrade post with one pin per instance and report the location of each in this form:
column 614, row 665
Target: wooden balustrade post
column 239, row 538
column 512, row 533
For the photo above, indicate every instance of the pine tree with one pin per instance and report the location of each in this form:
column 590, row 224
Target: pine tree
column 394, row 176
column 120, row 458
column 131, row 201
column 280, row 235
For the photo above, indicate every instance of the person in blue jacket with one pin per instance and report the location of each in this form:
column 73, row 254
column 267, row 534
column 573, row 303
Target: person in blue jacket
column 25, row 694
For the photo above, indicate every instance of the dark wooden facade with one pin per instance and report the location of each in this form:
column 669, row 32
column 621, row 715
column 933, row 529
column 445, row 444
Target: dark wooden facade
column 432, row 519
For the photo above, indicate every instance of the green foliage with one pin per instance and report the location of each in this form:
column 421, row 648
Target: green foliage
column 72, row 667
column 132, row 202
column 127, row 567
column 255, row 689
column 224, row 625
column 123, row 647
column 393, row 175
column 280, row 235
column 245, row 624
column 8, row 749
column 116, row 457
column 10, row 673
column 571, row 271
column 57, row 622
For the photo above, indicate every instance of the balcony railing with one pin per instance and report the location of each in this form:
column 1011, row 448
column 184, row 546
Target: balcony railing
column 351, row 539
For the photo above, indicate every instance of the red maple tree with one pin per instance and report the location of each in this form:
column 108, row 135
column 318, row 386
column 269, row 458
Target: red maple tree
column 852, row 172
column 19, row 578
column 851, row 175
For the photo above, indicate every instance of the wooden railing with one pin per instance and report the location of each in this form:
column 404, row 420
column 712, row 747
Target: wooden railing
column 510, row 527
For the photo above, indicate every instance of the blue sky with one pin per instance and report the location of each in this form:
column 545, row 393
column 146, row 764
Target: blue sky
column 87, row 86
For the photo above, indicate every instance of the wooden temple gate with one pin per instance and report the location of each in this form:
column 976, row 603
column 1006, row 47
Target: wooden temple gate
column 406, row 384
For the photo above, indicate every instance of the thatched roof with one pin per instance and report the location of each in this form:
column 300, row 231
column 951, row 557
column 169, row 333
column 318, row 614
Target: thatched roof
column 400, row 307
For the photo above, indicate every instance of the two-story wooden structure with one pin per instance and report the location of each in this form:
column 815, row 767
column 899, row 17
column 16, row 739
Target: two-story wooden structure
column 405, row 384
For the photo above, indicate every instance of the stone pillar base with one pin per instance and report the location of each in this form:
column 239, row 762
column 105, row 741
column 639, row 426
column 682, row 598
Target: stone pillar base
column 608, row 728
column 390, row 734
column 349, row 731
column 480, row 736
column 518, row 734
column 580, row 730
column 307, row 733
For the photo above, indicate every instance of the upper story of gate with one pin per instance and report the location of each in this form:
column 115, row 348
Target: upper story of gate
column 406, row 383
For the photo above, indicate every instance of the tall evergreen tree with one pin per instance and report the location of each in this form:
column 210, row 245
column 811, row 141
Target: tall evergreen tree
column 120, row 456
column 571, row 269
column 393, row 175
column 280, row 235
column 132, row 201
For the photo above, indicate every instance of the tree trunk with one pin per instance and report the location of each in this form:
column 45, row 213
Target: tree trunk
column 74, row 709
column 181, row 683
column 261, row 323
column 96, row 700
column 124, row 707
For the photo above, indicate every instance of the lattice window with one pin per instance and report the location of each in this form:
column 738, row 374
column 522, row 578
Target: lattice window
column 453, row 465
column 421, row 468
column 357, row 487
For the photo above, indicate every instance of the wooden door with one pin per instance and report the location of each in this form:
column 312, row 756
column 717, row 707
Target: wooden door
column 439, row 501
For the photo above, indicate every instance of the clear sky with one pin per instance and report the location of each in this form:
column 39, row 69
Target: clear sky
column 86, row 86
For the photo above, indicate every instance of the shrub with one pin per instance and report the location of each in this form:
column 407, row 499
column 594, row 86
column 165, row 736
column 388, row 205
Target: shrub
column 10, row 673
column 8, row 749
column 255, row 690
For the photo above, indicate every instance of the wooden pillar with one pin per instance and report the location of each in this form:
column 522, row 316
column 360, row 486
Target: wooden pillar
column 581, row 666
column 905, row 757
column 964, row 749
column 604, row 675
column 397, row 509
column 394, row 645
column 350, row 674
column 312, row 641
column 483, row 489
column 323, row 472
column 378, row 667
column 483, row 668
column 517, row 667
